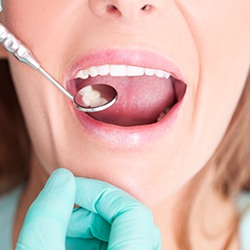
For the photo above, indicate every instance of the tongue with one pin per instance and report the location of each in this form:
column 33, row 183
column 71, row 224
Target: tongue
column 140, row 99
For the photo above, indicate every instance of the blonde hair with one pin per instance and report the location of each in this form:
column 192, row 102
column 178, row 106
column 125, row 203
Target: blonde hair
column 232, row 163
column 232, row 159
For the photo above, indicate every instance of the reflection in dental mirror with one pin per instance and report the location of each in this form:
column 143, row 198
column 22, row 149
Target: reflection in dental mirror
column 94, row 98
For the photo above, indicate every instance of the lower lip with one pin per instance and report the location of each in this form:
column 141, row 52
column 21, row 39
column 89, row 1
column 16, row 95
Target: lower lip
column 131, row 137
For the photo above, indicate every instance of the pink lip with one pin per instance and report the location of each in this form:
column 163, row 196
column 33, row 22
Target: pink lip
column 133, row 136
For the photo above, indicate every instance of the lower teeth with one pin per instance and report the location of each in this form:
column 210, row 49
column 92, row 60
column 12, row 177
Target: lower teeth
column 163, row 114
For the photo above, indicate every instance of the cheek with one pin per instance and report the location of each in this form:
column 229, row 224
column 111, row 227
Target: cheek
column 222, row 36
column 40, row 103
column 41, row 26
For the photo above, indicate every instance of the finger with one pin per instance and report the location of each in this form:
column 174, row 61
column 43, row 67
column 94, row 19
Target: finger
column 47, row 219
column 157, row 245
column 86, row 224
column 85, row 244
column 132, row 223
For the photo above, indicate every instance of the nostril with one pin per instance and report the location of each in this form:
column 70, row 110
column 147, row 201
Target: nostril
column 147, row 7
column 112, row 9
column 121, row 9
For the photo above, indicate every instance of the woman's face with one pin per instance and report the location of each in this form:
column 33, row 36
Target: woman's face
column 204, row 45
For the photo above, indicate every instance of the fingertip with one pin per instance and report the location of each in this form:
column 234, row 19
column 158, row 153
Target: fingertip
column 64, row 172
column 48, row 217
column 59, row 189
column 59, row 177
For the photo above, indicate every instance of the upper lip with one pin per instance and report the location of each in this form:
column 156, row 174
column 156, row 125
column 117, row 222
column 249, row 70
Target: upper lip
column 139, row 58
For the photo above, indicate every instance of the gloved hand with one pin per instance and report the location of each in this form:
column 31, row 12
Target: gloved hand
column 107, row 218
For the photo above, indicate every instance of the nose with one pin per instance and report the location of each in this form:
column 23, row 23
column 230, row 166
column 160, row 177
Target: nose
column 124, row 9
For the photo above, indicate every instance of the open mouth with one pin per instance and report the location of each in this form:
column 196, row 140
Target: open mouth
column 145, row 95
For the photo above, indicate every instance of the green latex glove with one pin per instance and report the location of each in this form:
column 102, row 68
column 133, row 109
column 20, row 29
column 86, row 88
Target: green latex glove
column 107, row 218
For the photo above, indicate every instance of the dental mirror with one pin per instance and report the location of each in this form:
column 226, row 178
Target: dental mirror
column 92, row 98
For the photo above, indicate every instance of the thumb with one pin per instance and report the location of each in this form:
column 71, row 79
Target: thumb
column 46, row 222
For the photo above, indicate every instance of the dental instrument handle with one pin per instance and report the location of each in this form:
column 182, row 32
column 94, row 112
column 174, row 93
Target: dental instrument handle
column 15, row 47
column 52, row 80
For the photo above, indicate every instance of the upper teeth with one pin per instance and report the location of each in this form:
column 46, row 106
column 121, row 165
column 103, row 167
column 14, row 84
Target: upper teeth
column 120, row 70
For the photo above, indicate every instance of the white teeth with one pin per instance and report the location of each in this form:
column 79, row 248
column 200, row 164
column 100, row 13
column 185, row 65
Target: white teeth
column 84, row 74
column 166, row 75
column 91, row 97
column 150, row 72
column 135, row 71
column 93, row 71
column 163, row 114
column 120, row 70
column 117, row 70
column 103, row 70
column 98, row 102
column 159, row 73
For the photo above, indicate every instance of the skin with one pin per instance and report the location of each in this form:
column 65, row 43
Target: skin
column 213, row 35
